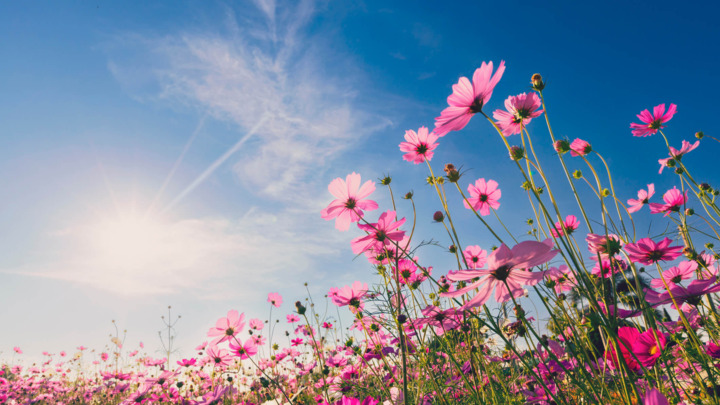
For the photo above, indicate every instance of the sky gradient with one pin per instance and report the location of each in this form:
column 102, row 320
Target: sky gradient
column 215, row 127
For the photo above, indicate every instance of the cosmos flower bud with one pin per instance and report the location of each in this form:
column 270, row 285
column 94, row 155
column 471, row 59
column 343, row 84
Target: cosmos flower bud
column 561, row 146
column 438, row 216
column 689, row 211
column 300, row 308
column 670, row 163
column 704, row 187
column 537, row 82
column 451, row 172
column 385, row 181
column 699, row 134
column 402, row 319
column 577, row 174
column 605, row 192
column 517, row 153
column 452, row 249
column 709, row 245
column 408, row 195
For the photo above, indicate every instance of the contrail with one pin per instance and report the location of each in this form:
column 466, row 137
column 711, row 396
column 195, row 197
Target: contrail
column 175, row 166
column 216, row 164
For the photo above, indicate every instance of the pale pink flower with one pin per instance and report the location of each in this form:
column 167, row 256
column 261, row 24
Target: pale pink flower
column 350, row 200
column 275, row 299
column 349, row 295
column 244, row 351
column 653, row 122
column 568, row 226
column 643, row 198
column 678, row 154
column 381, row 234
column 419, row 145
column 292, row 318
column 692, row 294
column 647, row 252
column 484, row 195
column 468, row 98
column 475, row 256
column 226, row 328
column 675, row 275
column 17, row 350
column 521, row 109
column 674, row 200
column 255, row 324
column 218, row 357
column 579, row 147
column 605, row 246
column 506, row 274
column 562, row 278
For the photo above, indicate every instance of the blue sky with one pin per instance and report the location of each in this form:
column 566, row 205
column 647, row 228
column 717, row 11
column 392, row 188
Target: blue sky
column 220, row 124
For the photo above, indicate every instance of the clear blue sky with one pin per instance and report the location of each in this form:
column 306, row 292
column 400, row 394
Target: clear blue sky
column 214, row 128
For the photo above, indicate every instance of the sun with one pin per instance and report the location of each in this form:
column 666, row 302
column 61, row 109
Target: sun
column 128, row 241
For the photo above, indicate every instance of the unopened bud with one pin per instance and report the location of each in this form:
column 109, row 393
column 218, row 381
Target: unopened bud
column 451, row 172
column 452, row 249
column 605, row 192
column 561, row 146
column 689, row 211
column 537, row 82
column 300, row 308
column 408, row 195
column 516, row 153
column 709, row 245
column 385, row 181
column 679, row 170
column 670, row 163
column 577, row 174
column 699, row 134
column 704, row 187
column 438, row 216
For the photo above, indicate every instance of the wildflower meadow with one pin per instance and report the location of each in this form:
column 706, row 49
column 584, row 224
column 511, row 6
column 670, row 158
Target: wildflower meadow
column 581, row 306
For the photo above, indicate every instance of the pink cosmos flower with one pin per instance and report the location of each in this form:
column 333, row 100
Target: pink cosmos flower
column 643, row 198
column 570, row 224
column 380, row 235
column 218, row 357
column 244, row 351
column 626, row 336
column 506, row 274
column 475, row 256
column 521, row 109
column 187, row 362
column 419, row 145
column 296, row 342
column 655, row 397
column 561, row 277
column 677, row 154
column 17, row 350
column 648, row 347
column 327, row 325
column 468, row 98
column 350, row 201
column 227, row 328
column 674, row 199
column 674, row 275
column 349, row 295
column 612, row 310
column 441, row 320
column 692, row 294
column 608, row 267
column 255, row 324
column 292, row 318
column 653, row 122
column 275, row 299
column 579, row 147
column 484, row 195
column 605, row 246
column 647, row 252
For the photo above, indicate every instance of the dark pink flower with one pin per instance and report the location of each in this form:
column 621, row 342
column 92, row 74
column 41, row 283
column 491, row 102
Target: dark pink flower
column 653, row 122
column 612, row 310
column 484, row 195
column 579, row 147
column 712, row 350
column 187, row 362
column 570, row 224
column 382, row 235
column 468, row 98
column 608, row 267
column 643, row 198
column 648, row 347
column 626, row 336
column 350, row 201
column 419, row 145
column 674, row 199
column 647, row 252
column 297, row 342
column 226, row 328
column 507, row 272
column 475, row 256
column 520, row 110
column 675, row 275
column 655, row 397
column 692, row 294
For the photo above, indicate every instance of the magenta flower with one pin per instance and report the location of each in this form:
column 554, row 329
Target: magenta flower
column 226, row 328
column 643, row 198
column 381, row 234
column 419, row 145
column 349, row 295
column 568, row 226
column 468, row 98
column 484, row 195
column 275, row 299
column 674, row 199
column 647, row 252
column 685, row 148
column 692, row 294
column 474, row 256
column 648, row 347
column 579, row 147
column 506, row 274
column 187, row 362
column 520, row 110
column 350, row 201
column 626, row 336
column 608, row 267
column 655, row 397
column 653, row 122
column 674, row 275
column 296, row 342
